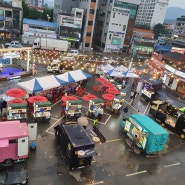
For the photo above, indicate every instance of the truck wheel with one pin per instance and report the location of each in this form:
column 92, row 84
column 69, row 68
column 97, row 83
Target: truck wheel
column 8, row 161
column 182, row 136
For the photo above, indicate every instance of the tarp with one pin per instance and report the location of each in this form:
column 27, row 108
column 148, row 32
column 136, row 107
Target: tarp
column 74, row 76
column 42, row 83
column 107, row 67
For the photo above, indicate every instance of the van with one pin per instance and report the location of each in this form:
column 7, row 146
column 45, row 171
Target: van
column 73, row 53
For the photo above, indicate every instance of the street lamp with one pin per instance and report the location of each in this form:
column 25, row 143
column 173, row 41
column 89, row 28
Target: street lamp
column 47, row 30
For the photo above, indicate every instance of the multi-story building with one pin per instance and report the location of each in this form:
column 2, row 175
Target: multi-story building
column 112, row 24
column 35, row 3
column 70, row 27
column 151, row 12
column 10, row 19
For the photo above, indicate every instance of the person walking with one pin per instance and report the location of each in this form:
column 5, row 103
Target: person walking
column 100, row 110
column 1, row 105
column 4, row 106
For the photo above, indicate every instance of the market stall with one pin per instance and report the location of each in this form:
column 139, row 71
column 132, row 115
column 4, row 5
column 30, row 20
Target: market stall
column 39, row 107
column 94, row 105
column 73, row 109
column 117, row 103
column 17, row 110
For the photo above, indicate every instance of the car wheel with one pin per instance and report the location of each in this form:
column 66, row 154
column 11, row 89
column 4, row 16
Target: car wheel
column 8, row 161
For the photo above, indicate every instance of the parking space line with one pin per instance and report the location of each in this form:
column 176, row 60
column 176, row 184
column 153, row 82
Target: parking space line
column 94, row 183
column 113, row 140
column 137, row 173
column 170, row 165
column 47, row 130
column 107, row 119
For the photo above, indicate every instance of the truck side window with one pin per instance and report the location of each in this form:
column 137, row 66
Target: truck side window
column 12, row 141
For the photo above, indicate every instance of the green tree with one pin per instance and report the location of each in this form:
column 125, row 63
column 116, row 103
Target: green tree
column 49, row 12
column 34, row 14
column 25, row 9
column 159, row 30
column 143, row 26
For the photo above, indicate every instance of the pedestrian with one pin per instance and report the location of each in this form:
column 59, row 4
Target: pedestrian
column 133, row 95
column 4, row 106
column 100, row 110
column 1, row 105
column 134, row 142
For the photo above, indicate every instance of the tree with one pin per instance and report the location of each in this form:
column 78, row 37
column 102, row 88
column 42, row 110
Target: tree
column 143, row 26
column 34, row 14
column 25, row 9
column 49, row 12
column 159, row 30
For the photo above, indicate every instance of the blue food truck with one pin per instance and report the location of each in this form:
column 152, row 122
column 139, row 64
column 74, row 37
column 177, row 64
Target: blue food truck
column 149, row 136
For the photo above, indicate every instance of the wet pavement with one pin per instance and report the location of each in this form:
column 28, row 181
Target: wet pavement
column 114, row 163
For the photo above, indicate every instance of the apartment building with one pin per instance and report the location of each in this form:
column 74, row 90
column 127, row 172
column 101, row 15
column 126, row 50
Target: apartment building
column 151, row 12
column 10, row 19
column 35, row 3
column 112, row 22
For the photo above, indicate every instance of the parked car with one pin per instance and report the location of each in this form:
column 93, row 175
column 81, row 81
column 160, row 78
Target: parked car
column 13, row 44
column 15, row 174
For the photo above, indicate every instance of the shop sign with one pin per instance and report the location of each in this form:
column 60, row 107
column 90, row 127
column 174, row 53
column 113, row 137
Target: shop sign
column 180, row 73
column 135, row 124
column 11, row 55
column 169, row 68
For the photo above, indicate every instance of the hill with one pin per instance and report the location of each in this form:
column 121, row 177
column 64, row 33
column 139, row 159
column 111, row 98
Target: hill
column 173, row 13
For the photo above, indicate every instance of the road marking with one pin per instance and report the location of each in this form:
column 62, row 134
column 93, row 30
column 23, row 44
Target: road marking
column 113, row 140
column 170, row 165
column 137, row 173
column 146, row 108
column 47, row 130
column 107, row 119
column 94, row 183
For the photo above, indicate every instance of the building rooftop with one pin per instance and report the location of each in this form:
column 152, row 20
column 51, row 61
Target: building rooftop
column 39, row 23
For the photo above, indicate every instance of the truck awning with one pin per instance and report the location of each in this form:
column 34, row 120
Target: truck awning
column 4, row 143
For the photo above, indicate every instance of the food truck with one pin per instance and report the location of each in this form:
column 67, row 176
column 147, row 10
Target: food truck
column 75, row 145
column 13, row 141
column 151, row 137
column 151, row 89
column 17, row 111
column 169, row 116
column 94, row 105
column 42, row 110
column 117, row 103
column 73, row 109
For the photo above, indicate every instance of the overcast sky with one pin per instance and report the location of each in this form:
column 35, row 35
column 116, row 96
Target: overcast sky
column 177, row 3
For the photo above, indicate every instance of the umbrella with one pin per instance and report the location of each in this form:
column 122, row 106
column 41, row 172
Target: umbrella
column 15, row 93
column 102, row 80
column 83, row 121
column 108, row 96
column 112, row 91
column 14, row 101
column 34, row 99
column 67, row 98
column 89, row 97
column 107, row 84
column 6, row 98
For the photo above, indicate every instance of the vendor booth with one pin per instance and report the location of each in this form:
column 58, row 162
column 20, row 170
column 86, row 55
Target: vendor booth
column 42, row 110
column 94, row 105
column 117, row 103
column 151, row 89
column 73, row 109
column 17, row 110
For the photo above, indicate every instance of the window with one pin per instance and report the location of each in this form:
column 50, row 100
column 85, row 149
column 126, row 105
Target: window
column 88, row 34
column 110, row 36
column 12, row 141
column 91, row 11
column 8, row 13
column 90, row 22
column 8, row 24
column 124, row 27
column 114, row 13
column 1, row 12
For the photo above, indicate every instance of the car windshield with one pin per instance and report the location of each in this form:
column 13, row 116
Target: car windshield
column 3, row 177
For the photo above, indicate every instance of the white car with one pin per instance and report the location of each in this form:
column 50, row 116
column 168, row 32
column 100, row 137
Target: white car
column 13, row 44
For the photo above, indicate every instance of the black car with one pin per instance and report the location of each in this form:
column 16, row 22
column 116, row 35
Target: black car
column 12, row 175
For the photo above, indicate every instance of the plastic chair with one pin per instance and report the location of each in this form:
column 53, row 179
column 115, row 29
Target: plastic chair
column 95, row 88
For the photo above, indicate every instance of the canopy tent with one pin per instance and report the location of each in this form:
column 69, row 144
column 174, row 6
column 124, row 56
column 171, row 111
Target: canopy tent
column 74, row 76
column 42, row 83
column 130, row 74
column 121, row 68
column 107, row 67
column 51, row 81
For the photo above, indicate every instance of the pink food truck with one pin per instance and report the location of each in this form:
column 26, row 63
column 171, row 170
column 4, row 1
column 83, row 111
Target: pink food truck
column 13, row 141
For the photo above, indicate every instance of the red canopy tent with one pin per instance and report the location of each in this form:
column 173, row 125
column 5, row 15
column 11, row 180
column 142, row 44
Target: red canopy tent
column 102, row 80
column 67, row 98
column 14, row 101
column 34, row 99
column 89, row 97
column 16, row 93
column 112, row 91
column 108, row 96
